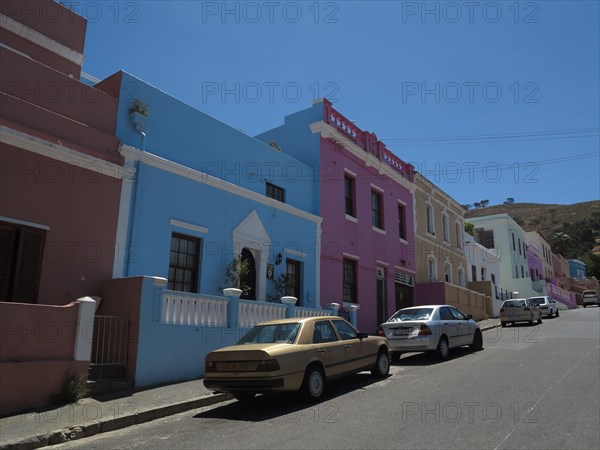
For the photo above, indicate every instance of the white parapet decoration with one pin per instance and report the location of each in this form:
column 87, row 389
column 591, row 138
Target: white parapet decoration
column 183, row 308
column 85, row 329
column 252, row 312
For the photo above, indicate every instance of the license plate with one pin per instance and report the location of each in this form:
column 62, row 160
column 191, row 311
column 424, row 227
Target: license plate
column 402, row 331
column 235, row 367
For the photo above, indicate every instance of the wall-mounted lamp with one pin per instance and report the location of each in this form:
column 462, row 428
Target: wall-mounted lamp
column 278, row 259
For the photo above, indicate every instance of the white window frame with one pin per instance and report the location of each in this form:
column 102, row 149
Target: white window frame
column 448, row 272
column 432, row 268
column 445, row 227
column 461, row 277
column 430, row 219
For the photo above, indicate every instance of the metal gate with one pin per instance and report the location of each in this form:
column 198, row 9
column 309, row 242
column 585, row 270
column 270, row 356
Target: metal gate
column 109, row 344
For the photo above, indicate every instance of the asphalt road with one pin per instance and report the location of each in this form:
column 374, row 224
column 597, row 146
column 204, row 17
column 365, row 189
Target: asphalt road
column 531, row 387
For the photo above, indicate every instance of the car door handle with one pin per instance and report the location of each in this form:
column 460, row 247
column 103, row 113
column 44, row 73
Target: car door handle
column 347, row 346
column 321, row 350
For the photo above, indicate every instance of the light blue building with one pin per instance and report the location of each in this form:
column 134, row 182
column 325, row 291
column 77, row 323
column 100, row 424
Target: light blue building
column 576, row 268
column 201, row 192
column 196, row 194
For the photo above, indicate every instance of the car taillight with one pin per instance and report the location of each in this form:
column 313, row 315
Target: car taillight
column 269, row 365
column 209, row 366
column 381, row 332
column 501, row 310
column 424, row 330
column 526, row 308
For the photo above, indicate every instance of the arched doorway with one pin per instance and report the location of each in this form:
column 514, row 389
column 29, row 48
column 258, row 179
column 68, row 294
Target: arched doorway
column 250, row 278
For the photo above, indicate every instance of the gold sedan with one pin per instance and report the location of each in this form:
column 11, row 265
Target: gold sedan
column 294, row 355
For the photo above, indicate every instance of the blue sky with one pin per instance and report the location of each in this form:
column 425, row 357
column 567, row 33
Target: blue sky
column 489, row 99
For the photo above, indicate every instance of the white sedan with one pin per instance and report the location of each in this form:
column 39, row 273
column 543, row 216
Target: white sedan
column 430, row 328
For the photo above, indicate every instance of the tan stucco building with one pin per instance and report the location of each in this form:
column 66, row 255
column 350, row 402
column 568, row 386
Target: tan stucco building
column 441, row 263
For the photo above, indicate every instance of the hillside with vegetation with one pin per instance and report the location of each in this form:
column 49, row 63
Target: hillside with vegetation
column 573, row 230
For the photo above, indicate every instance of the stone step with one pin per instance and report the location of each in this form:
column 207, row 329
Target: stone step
column 96, row 387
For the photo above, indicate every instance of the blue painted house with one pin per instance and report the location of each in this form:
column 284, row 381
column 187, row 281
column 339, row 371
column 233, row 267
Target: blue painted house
column 576, row 268
column 197, row 193
column 201, row 191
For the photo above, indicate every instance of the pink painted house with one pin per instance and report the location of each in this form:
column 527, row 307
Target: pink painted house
column 366, row 199
column 59, row 201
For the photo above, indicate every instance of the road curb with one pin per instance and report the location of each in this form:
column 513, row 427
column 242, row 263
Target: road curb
column 490, row 327
column 102, row 426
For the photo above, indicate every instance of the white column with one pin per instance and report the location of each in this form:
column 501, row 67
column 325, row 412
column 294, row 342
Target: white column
column 85, row 329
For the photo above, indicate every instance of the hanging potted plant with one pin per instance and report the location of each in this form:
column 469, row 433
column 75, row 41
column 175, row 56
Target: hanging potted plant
column 138, row 113
column 236, row 274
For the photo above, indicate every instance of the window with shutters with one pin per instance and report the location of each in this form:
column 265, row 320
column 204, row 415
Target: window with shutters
column 21, row 252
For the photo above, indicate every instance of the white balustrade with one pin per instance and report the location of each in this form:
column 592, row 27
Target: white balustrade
column 180, row 308
column 252, row 312
column 311, row 312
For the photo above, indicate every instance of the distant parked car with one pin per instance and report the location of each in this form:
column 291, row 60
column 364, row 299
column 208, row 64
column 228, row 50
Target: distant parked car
column 548, row 307
column 299, row 354
column 432, row 328
column 519, row 310
column 590, row 298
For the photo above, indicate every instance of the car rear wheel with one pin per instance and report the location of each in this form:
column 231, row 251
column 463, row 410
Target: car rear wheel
column 382, row 365
column 244, row 396
column 395, row 356
column 313, row 384
column 442, row 349
column 477, row 343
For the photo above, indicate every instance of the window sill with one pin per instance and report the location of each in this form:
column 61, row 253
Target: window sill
column 379, row 230
column 403, row 241
column 351, row 218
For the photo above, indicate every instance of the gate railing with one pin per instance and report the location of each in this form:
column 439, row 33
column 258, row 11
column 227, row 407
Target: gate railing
column 110, row 340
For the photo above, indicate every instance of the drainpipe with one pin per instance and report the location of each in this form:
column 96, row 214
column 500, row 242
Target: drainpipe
column 140, row 129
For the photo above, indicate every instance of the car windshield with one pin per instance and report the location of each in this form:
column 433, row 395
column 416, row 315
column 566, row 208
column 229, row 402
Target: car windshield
column 411, row 314
column 589, row 294
column 270, row 334
column 538, row 301
column 514, row 303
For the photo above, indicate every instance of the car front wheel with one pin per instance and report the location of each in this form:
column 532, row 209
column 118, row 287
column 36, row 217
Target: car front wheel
column 477, row 343
column 382, row 365
column 313, row 384
column 442, row 349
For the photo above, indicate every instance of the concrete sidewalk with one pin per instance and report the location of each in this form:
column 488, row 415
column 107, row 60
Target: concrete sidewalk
column 109, row 412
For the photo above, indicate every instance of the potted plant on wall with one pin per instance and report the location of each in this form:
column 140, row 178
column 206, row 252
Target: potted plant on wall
column 138, row 113
column 236, row 273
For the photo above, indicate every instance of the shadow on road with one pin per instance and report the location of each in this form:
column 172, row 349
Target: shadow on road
column 273, row 406
column 427, row 359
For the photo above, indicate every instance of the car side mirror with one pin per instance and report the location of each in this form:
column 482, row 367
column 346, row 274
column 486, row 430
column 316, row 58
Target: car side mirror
column 362, row 335
column 469, row 317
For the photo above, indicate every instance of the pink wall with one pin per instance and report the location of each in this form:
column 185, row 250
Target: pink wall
column 122, row 297
column 430, row 293
column 80, row 206
column 37, row 345
column 32, row 332
column 341, row 235
column 52, row 20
